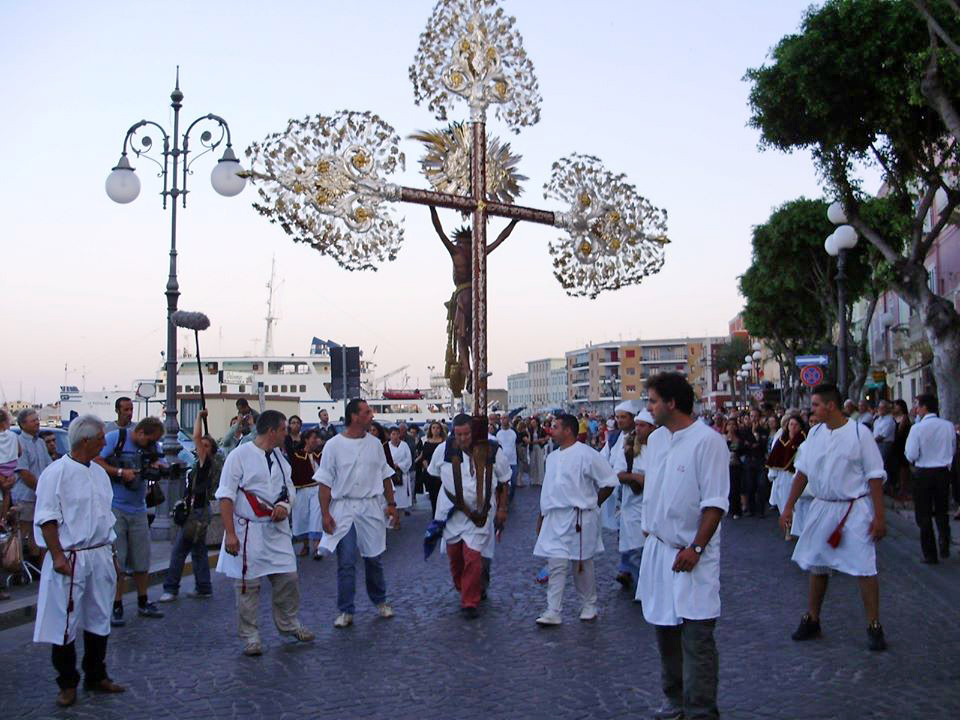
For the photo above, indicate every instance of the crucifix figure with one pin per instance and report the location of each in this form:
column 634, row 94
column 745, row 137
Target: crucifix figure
column 324, row 183
column 459, row 315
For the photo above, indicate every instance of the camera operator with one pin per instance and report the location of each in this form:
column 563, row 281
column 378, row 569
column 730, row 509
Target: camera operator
column 242, row 428
column 192, row 514
column 131, row 459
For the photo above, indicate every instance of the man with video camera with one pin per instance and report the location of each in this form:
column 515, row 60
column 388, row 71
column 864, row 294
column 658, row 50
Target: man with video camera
column 132, row 460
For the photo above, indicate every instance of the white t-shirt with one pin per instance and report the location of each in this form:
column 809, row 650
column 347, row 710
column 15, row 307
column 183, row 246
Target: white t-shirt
column 77, row 497
column 573, row 477
column 508, row 444
column 838, row 463
column 353, row 467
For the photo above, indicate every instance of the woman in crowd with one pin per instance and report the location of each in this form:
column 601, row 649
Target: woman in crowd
column 435, row 436
column 780, row 459
column 734, row 446
column 523, row 454
column 535, row 441
column 899, row 467
column 293, row 442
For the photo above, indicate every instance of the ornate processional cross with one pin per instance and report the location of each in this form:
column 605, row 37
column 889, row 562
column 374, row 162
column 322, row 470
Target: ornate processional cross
column 323, row 179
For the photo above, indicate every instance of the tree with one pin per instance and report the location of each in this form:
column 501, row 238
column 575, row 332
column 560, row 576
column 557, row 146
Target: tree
column 791, row 290
column 730, row 359
column 848, row 87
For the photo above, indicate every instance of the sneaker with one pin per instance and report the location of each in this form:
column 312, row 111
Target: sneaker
column 167, row 597
column 668, row 711
column 549, row 618
column 876, row 641
column 385, row 611
column 343, row 620
column 253, row 649
column 808, row 629
column 588, row 614
column 197, row 595
column 149, row 610
column 301, row 634
column 116, row 620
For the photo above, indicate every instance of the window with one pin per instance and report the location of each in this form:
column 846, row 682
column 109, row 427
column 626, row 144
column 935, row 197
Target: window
column 223, row 388
column 631, row 371
column 630, row 353
column 179, row 388
column 275, row 389
column 283, row 388
column 631, row 388
column 242, row 389
column 303, row 388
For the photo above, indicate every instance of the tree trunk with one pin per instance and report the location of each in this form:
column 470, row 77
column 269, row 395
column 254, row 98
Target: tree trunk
column 942, row 327
column 861, row 354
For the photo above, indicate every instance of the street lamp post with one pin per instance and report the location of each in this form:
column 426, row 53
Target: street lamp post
column 123, row 186
column 843, row 238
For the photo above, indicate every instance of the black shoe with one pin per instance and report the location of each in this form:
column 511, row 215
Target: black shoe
column 470, row 613
column 875, row 639
column 149, row 610
column 808, row 629
column 116, row 620
column 625, row 579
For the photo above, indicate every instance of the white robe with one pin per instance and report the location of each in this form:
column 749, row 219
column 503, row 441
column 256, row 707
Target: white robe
column 267, row 547
column 354, row 469
column 77, row 497
column 839, row 465
column 458, row 526
column 610, row 510
column 631, row 504
column 573, row 478
column 402, row 494
column 686, row 472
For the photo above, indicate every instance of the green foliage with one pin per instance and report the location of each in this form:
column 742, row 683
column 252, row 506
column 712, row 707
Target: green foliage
column 850, row 81
column 730, row 357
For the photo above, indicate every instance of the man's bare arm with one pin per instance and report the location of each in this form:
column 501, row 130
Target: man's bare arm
column 502, row 236
column 439, row 228
column 28, row 479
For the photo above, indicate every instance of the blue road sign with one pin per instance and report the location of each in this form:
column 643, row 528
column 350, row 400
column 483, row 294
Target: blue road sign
column 804, row 360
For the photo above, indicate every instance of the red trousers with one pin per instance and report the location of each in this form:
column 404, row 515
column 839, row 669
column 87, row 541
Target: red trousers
column 466, row 567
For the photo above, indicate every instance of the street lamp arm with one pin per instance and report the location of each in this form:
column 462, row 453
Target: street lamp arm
column 147, row 141
column 206, row 140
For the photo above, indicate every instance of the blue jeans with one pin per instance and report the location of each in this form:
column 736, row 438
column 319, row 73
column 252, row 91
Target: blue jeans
column 347, row 574
column 630, row 563
column 513, row 480
column 183, row 546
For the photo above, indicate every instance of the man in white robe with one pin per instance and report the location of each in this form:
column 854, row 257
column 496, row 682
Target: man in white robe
column 402, row 461
column 469, row 545
column 623, row 423
column 256, row 491
column 74, row 521
column 356, row 497
column 576, row 483
column 841, row 464
column 686, row 485
column 629, row 465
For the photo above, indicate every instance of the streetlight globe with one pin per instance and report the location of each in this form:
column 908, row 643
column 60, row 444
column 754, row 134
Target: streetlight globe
column 756, row 355
column 757, row 345
column 846, row 237
column 835, row 213
column 224, row 177
column 122, row 183
column 747, row 358
column 830, row 245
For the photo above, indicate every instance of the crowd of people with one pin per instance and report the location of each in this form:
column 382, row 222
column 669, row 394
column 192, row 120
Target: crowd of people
column 660, row 475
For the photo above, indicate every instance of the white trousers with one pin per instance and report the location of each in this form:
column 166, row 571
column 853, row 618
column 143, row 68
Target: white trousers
column 584, row 581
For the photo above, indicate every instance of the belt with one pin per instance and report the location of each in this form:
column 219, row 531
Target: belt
column 842, row 500
column 73, row 557
column 678, row 547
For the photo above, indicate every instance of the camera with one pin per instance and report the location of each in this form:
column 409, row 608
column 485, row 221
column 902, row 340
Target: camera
column 144, row 463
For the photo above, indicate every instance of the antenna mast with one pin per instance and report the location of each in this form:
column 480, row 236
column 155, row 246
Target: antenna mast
column 271, row 318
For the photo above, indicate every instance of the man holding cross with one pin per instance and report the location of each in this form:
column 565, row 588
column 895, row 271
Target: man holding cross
column 473, row 504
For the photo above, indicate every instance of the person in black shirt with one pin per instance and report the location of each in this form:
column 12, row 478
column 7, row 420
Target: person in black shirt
column 435, row 436
column 192, row 535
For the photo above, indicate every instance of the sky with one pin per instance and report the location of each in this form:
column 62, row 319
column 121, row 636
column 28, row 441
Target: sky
column 654, row 89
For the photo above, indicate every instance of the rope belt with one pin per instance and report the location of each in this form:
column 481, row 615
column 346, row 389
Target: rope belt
column 837, row 534
column 73, row 564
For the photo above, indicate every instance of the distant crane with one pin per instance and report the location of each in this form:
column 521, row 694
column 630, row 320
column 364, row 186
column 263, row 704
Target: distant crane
column 383, row 378
column 272, row 286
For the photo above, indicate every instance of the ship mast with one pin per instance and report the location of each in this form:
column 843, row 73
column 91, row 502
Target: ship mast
column 271, row 318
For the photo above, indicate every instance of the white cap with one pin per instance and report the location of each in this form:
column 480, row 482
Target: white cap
column 627, row 406
column 645, row 416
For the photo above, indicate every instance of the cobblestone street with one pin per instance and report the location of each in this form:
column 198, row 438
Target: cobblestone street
column 428, row 662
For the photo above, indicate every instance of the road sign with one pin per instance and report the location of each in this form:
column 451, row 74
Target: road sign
column 811, row 375
column 804, row 360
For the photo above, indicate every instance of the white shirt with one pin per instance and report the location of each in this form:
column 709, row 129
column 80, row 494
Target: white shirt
column 458, row 526
column 686, row 472
column 631, row 503
column 839, row 463
column 266, row 546
column 77, row 497
column 573, row 477
column 884, row 428
column 508, row 444
column 400, row 453
column 353, row 467
column 931, row 443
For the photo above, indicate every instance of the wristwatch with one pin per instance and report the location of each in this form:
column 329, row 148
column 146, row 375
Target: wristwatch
column 119, row 472
column 698, row 549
